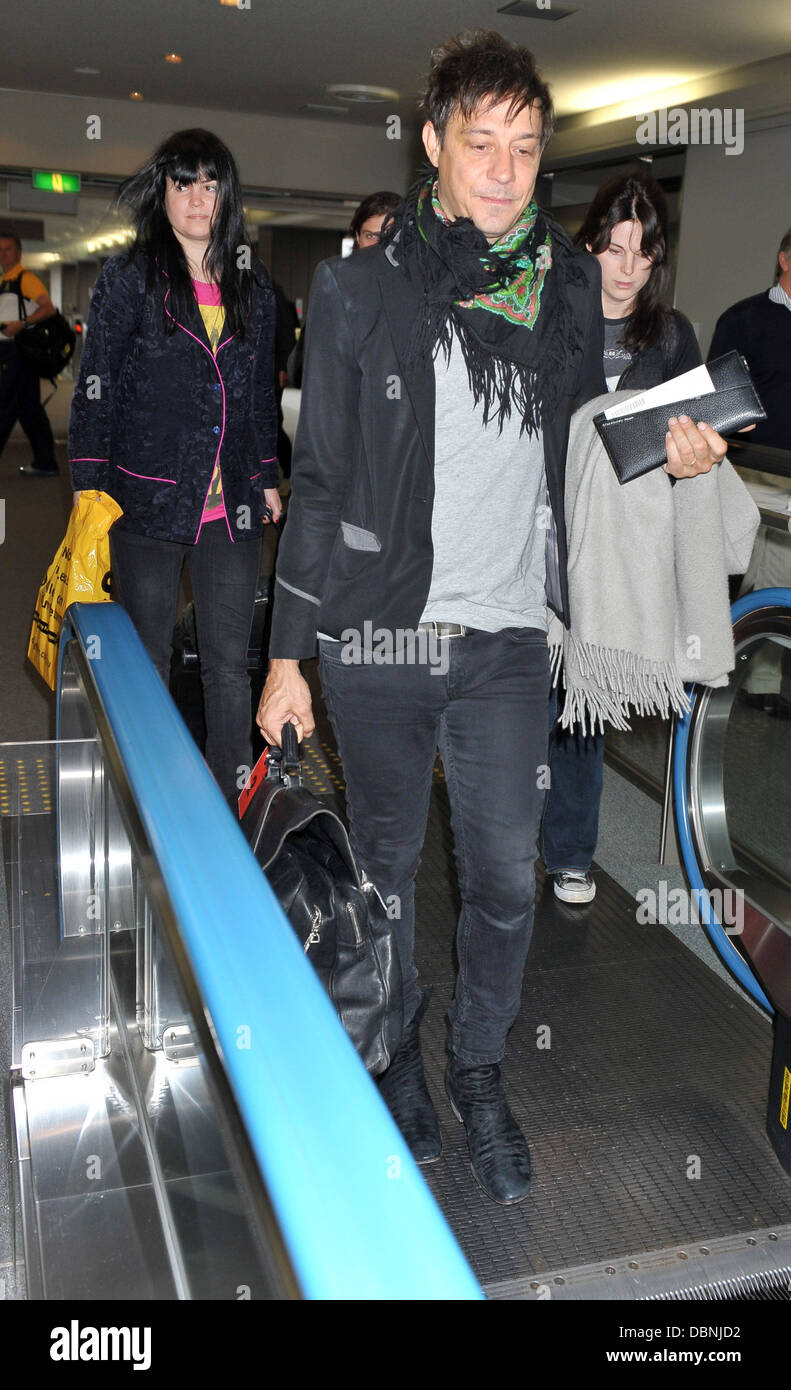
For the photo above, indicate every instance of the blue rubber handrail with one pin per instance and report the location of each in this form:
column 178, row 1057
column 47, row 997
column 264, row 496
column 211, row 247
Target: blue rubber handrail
column 721, row 941
column 353, row 1209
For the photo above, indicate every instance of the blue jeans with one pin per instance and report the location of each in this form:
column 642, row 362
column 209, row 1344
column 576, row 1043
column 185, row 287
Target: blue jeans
column 485, row 708
column 224, row 577
column 570, row 827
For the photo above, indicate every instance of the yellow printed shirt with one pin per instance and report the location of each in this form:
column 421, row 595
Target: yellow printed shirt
column 213, row 315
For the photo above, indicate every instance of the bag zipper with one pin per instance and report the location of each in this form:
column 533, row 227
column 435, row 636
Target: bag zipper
column 314, row 937
column 369, row 887
column 358, row 936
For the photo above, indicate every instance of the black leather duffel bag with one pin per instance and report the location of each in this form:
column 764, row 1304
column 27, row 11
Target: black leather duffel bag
column 337, row 914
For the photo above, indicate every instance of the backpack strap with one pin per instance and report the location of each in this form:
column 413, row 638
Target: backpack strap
column 15, row 287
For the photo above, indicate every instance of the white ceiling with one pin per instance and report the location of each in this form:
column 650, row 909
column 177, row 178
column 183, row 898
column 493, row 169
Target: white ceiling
column 279, row 57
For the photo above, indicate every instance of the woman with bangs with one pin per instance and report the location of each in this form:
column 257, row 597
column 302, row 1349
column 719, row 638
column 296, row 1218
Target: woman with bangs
column 645, row 343
column 174, row 416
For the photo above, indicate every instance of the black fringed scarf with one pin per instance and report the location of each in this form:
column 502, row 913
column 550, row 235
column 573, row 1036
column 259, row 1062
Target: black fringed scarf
column 507, row 304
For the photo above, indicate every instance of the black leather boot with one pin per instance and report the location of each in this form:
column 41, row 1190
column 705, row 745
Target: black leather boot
column 404, row 1091
column 499, row 1154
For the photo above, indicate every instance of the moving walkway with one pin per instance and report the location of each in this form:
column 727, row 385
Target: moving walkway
column 191, row 1122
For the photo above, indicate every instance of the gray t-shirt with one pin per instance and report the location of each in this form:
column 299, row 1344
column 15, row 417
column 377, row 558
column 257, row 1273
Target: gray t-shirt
column 490, row 500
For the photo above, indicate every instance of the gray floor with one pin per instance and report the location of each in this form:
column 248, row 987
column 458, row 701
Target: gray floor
column 628, row 850
column 36, row 515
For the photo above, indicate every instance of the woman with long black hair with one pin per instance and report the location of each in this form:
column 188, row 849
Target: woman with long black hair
column 645, row 343
column 174, row 416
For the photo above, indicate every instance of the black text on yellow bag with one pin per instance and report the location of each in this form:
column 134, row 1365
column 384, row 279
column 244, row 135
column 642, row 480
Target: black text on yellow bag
column 79, row 571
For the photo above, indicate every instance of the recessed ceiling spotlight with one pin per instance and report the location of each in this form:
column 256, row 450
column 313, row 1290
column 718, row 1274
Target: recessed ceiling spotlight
column 325, row 110
column 172, row 57
column 89, row 72
column 135, row 96
column 360, row 92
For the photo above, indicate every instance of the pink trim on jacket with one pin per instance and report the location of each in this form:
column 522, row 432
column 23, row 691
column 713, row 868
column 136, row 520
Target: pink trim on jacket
column 148, row 477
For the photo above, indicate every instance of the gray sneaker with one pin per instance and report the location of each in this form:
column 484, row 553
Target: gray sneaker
column 574, row 886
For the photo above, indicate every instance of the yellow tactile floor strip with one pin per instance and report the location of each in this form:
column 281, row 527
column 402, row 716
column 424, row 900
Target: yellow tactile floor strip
column 24, row 786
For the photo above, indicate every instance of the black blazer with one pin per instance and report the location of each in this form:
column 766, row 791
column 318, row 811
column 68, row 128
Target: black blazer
column 153, row 411
column 357, row 545
column 761, row 331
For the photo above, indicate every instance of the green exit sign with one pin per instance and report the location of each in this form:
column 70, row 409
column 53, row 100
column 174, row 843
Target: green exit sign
column 56, row 183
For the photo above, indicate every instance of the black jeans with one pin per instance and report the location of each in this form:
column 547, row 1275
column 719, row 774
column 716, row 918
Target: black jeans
column 224, row 577
column 487, row 711
column 20, row 399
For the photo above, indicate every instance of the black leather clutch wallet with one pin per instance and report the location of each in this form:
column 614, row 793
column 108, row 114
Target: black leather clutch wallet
column 636, row 443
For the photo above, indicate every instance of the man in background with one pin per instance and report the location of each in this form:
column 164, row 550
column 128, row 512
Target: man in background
column 760, row 329
column 20, row 393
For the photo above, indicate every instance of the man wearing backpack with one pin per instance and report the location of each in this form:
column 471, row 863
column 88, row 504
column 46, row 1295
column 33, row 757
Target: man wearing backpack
column 20, row 393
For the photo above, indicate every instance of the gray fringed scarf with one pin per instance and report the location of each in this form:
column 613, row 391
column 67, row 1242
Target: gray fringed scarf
column 648, row 569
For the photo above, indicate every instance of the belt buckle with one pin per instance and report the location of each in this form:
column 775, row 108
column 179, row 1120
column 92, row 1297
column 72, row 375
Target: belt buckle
column 445, row 629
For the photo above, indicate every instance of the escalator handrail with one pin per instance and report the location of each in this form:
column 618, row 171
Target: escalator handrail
column 722, row 943
column 353, row 1209
column 763, row 458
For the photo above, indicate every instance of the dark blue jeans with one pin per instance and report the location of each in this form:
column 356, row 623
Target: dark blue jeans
column 487, row 713
column 224, row 577
column 20, row 399
column 570, row 827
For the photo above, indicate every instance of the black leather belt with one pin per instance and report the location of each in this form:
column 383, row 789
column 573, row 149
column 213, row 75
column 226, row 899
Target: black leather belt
column 444, row 629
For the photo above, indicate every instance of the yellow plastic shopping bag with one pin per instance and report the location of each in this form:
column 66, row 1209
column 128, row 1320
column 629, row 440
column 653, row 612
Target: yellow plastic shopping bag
column 79, row 571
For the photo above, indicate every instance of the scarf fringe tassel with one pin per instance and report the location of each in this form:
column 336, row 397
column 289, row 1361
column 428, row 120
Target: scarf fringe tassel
column 605, row 683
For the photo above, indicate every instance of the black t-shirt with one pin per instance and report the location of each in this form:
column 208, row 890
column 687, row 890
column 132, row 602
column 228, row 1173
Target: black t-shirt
column 616, row 357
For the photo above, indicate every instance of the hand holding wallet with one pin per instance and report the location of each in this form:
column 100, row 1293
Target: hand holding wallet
column 635, row 442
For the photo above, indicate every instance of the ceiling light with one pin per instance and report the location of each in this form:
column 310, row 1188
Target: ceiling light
column 527, row 9
column 135, row 96
column 623, row 90
column 360, row 92
column 172, row 57
column 230, row 3
column 325, row 110
column 89, row 72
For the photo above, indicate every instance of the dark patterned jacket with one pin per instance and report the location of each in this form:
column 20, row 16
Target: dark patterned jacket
column 153, row 411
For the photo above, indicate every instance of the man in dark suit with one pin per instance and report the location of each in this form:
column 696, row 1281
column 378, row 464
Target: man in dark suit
column 425, row 537
column 760, row 329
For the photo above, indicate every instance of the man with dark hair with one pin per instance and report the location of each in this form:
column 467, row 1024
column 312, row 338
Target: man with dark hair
column 20, row 392
column 366, row 224
column 426, row 535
